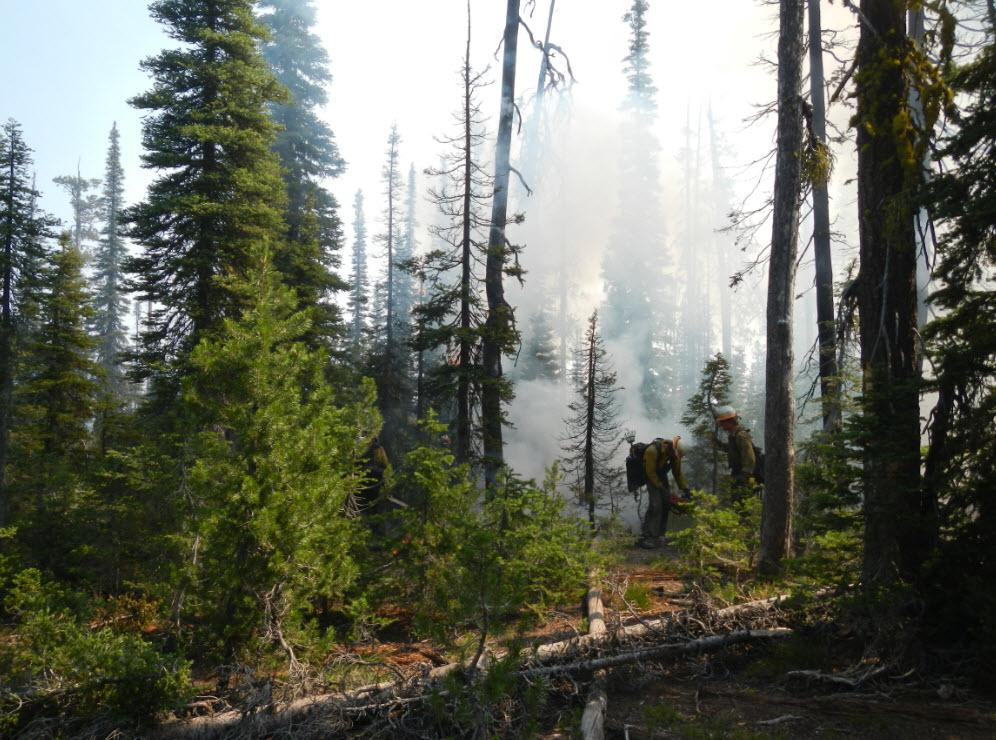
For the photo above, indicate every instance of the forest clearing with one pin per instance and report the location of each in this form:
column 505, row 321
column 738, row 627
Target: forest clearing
column 554, row 369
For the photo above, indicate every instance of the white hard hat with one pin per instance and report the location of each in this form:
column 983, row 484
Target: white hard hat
column 722, row 413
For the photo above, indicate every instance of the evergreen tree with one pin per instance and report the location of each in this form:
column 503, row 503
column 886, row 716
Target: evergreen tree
column 703, row 457
column 593, row 432
column 960, row 471
column 86, row 207
column 888, row 180
column 54, row 404
column 404, row 282
column 451, row 317
column 308, row 154
column 23, row 230
column 218, row 191
column 638, row 311
column 110, row 304
column 392, row 360
column 274, row 465
column 359, row 285
column 540, row 355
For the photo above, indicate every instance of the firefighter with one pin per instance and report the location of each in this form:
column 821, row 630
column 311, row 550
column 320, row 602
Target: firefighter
column 740, row 453
column 661, row 457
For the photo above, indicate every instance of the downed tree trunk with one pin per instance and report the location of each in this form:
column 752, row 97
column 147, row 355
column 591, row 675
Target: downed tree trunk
column 326, row 711
column 593, row 718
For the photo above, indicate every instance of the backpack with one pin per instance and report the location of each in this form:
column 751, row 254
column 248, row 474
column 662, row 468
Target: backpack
column 636, row 473
column 758, row 463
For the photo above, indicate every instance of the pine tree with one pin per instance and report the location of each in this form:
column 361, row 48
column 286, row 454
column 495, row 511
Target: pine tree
column 715, row 389
column 888, row 179
column 274, row 464
column 960, row 471
column 392, row 358
column 359, row 285
column 451, row 317
column 539, row 357
column 407, row 244
column 110, row 304
column 308, row 154
column 23, row 229
column 86, row 207
column 218, row 191
column 593, row 432
column 54, row 405
column 779, row 408
column 638, row 311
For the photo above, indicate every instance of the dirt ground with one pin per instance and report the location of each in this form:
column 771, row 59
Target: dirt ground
column 748, row 692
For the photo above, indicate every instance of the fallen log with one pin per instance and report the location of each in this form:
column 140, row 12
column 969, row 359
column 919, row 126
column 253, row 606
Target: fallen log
column 329, row 709
column 593, row 717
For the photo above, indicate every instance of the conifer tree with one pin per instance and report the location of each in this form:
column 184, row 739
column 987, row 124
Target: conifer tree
column 392, row 355
column 452, row 315
column 54, row 404
column 86, row 207
column 539, row 356
column 274, row 465
column 110, row 304
column 359, row 285
column 23, row 229
column 960, row 470
column 699, row 417
column 888, row 179
column 593, row 432
column 218, row 190
column 638, row 310
column 308, row 155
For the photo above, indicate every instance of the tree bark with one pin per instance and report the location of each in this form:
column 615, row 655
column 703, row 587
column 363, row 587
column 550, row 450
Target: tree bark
column 499, row 320
column 779, row 407
column 825, row 314
column 886, row 289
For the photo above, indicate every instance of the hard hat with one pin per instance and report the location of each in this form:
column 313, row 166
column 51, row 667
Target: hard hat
column 722, row 413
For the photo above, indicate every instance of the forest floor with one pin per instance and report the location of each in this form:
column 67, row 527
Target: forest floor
column 746, row 692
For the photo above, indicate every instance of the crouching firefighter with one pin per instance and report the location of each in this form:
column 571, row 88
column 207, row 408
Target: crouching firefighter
column 650, row 464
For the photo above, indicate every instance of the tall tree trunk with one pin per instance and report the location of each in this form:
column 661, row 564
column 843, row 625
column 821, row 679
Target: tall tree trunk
column 589, row 430
column 7, row 331
column 921, row 220
column 463, row 441
column 779, row 407
column 499, row 320
column 829, row 382
column 886, row 289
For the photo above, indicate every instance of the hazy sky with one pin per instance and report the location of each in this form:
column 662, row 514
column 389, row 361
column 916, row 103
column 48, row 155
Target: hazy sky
column 69, row 66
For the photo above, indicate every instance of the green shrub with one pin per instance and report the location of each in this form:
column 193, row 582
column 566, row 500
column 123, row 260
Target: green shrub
column 720, row 542
column 54, row 664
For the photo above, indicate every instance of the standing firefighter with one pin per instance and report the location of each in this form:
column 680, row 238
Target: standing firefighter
column 745, row 459
column 650, row 464
column 374, row 465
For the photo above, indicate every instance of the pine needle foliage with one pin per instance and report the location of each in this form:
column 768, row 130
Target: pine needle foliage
column 274, row 464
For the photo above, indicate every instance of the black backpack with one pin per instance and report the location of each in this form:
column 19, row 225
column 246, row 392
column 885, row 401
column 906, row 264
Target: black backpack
column 636, row 473
column 758, row 463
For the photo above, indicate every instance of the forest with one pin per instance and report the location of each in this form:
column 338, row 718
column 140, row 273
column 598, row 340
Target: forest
column 280, row 460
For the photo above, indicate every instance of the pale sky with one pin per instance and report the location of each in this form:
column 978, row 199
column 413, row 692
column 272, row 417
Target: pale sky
column 69, row 66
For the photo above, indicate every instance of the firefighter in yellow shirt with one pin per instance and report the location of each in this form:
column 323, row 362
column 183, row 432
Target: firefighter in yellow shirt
column 740, row 452
column 661, row 457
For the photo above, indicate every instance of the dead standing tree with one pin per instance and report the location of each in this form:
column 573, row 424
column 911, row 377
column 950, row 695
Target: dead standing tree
column 779, row 406
column 499, row 329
